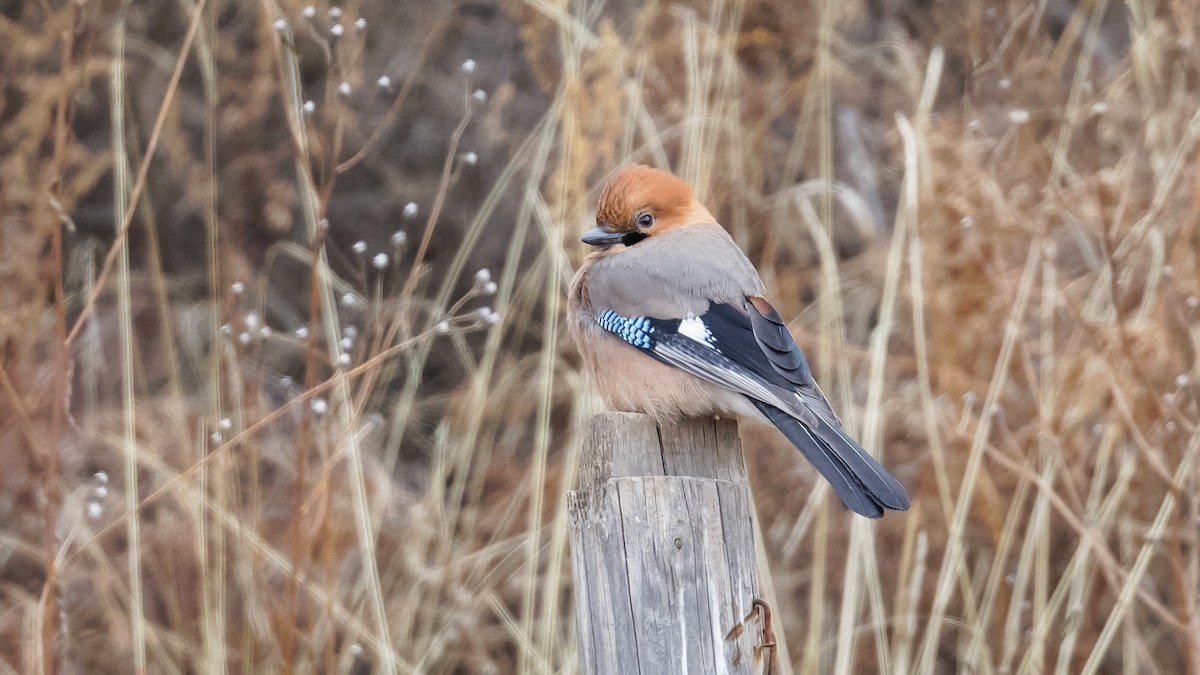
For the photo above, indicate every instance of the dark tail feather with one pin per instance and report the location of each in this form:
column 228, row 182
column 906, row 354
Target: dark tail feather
column 859, row 481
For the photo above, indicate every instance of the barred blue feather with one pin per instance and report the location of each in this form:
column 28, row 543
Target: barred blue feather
column 637, row 330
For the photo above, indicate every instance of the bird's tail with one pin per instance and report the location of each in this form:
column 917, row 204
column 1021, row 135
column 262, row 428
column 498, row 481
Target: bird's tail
column 857, row 478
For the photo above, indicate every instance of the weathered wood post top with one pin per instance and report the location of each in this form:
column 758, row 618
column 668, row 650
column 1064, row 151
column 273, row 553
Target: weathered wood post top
column 662, row 549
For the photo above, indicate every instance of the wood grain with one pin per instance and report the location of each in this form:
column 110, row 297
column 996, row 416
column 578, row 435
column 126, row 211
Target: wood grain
column 662, row 549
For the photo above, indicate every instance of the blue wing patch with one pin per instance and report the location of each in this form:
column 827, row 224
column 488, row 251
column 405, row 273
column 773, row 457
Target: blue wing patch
column 714, row 347
column 645, row 332
column 637, row 331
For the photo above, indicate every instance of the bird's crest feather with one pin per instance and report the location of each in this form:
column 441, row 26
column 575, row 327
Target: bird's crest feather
column 637, row 187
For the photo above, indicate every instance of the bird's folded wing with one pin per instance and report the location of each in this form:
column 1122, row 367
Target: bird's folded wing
column 781, row 351
column 691, row 344
column 744, row 346
column 748, row 349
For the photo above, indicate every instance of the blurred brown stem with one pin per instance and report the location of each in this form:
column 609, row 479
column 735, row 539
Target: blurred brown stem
column 389, row 119
column 61, row 362
column 435, row 212
column 143, row 170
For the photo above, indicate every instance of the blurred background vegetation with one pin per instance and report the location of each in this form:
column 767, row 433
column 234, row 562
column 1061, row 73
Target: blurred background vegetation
column 285, row 385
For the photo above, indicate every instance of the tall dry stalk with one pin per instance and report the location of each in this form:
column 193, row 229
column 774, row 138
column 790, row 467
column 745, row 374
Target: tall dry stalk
column 330, row 440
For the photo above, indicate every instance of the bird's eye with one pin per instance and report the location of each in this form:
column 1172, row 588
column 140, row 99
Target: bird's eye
column 645, row 220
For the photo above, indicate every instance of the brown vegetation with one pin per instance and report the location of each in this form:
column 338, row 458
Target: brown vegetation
column 230, row 435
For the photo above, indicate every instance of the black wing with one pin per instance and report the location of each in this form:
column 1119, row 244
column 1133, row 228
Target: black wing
column 749, row 349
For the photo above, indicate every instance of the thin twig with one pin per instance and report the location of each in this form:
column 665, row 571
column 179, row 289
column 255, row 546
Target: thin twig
column 143, row 170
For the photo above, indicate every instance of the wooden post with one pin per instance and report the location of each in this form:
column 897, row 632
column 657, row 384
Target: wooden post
column 662, row 550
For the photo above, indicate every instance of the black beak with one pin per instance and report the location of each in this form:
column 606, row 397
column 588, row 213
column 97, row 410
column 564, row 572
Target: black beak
column 602, row 236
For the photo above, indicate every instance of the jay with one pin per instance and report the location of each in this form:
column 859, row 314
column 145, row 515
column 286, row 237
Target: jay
column 670, row 318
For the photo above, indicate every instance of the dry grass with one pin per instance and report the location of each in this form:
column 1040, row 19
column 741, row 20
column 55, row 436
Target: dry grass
column 231, row 440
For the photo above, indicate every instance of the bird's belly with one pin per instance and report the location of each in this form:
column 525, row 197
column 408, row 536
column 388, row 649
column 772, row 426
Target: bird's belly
column 631, row 381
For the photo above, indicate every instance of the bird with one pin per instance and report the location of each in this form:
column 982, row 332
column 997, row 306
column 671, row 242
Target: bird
column 669, row 316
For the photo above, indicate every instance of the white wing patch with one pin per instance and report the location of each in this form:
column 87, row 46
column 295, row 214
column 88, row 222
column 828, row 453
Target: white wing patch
column 693, row 327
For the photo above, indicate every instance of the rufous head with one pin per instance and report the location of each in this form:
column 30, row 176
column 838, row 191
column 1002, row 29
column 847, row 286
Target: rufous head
column 639, row 202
